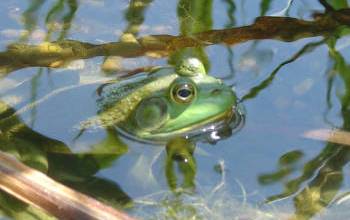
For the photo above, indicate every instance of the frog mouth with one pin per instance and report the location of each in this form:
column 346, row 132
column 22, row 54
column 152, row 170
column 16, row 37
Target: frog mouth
column 209, row 130
column 218, row 127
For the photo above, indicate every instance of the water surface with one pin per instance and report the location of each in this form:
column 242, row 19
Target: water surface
column 267, row 170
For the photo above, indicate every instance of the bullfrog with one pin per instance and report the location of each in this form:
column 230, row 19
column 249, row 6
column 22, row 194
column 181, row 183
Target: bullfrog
column 167, row 102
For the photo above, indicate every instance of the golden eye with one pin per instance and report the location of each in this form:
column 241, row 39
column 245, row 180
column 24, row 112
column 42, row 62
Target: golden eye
column 183, row 93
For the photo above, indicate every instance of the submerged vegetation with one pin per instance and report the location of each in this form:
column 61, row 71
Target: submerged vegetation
column 185, row 178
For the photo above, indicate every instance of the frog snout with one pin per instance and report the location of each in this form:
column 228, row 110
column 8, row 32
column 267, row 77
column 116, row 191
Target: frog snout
column 224, row 93
column 216, row 91
column 220, row 91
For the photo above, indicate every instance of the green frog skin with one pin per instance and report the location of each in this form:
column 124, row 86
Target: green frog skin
column 165, row 103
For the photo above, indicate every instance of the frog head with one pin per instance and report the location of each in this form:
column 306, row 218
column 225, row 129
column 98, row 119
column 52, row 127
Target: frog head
column 192, row 101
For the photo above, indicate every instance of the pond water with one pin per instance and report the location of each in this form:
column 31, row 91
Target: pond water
column 268, row 169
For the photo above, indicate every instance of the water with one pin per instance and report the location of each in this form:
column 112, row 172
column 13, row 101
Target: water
column 267, row 170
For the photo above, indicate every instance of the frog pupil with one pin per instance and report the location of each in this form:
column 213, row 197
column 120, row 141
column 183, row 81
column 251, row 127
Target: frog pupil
column 184, row 93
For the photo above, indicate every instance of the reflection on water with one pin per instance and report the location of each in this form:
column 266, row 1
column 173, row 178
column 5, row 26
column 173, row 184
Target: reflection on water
column 264, row 167
column 321, row 177
column 134, row 15
column 55, row 158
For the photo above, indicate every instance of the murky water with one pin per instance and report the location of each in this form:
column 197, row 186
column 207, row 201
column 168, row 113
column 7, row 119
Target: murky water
column 288, row 82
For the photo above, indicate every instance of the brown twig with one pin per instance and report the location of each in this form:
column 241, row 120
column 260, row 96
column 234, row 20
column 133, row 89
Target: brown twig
column 57, row 54
column 37, row 189
column 333, row 136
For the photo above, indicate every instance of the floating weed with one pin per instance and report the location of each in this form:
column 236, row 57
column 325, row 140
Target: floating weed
column 215, row 203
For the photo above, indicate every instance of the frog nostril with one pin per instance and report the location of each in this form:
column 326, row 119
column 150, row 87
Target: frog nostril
column 215, row 91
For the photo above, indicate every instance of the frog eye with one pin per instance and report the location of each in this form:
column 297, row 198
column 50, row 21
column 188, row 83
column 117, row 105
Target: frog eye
column 183, row 93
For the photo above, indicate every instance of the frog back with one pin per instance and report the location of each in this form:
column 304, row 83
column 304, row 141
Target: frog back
column 116, row 101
